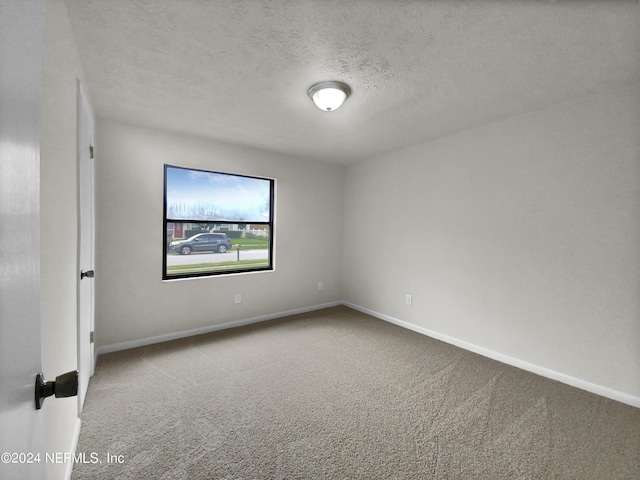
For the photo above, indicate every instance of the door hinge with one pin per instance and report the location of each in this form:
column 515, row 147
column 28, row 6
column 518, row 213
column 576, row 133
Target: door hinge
column 90, row 151
column 90, row 337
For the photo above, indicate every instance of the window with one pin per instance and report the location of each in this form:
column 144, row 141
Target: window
column 216, row 223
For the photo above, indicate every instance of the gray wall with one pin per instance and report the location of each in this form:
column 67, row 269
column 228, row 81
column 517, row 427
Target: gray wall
column 132, row 301
column 521, row 237
column 58, row 225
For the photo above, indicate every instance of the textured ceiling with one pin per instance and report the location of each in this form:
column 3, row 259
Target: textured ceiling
column 239, row 70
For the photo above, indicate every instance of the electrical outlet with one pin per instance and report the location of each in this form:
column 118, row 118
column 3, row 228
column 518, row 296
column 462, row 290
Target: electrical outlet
column 408, row 300
column 320, row 286
column 238, row 298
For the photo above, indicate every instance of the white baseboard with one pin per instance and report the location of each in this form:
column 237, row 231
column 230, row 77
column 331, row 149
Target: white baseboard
column 212, row 328
column 74, row 446
column 515, row 362
column 622, row 397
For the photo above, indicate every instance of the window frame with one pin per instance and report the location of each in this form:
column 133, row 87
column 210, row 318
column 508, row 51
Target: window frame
column 216, row 273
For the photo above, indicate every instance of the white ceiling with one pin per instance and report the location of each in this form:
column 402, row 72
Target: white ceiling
column 239, row 70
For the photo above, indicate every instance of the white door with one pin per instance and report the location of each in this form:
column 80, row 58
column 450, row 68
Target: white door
column 21, row 425
column 86, row 231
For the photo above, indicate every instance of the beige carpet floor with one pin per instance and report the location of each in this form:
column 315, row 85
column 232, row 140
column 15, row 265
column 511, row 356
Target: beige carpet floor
column 336, row 394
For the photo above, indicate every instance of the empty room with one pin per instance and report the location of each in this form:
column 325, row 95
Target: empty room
column 272, row 239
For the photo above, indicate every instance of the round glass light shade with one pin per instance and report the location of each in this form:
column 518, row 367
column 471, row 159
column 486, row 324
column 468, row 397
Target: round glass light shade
column 329, row 96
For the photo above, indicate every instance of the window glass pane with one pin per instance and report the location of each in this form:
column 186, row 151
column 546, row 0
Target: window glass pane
column 216, row 223
column 200, row 195
column 205, row 249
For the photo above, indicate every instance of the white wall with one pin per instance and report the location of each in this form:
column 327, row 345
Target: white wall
column 132, row 301
column 58, row 196
column 521, row 237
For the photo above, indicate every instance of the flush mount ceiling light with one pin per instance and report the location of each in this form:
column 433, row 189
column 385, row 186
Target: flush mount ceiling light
column 328, row 96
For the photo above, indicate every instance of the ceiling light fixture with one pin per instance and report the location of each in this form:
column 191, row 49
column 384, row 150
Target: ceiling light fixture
column 328, row 96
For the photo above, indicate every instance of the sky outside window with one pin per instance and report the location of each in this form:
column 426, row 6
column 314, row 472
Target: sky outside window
column 198, row 195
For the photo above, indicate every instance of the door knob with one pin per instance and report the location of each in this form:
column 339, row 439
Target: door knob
column 66, row 385
column 87, row 274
